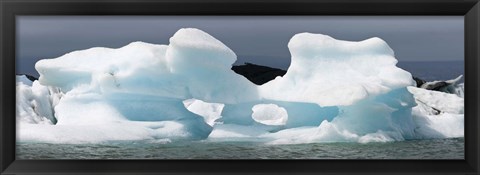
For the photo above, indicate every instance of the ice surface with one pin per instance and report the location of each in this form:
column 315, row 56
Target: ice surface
column 360, row 79
column 204, row 64
column 299, row 114
column 209, row 111
column 147, row 82
column 334, row 91
column 333, row 72
column 235, row 132
column 195, row 68
column 460, row 90
column 35, row 102
column 95, row 133
column 445, row 125
column 438, row 114
column 441, row 101
column 269, row 114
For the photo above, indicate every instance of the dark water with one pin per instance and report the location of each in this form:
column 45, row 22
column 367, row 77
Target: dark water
column 434, row 70
column 413, row 149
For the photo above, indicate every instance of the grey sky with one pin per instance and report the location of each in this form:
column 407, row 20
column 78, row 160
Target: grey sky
column 257, row 39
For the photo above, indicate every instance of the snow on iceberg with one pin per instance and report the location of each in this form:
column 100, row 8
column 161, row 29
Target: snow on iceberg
column 333, row 91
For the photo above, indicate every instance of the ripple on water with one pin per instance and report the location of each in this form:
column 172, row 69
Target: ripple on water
column 412, row 149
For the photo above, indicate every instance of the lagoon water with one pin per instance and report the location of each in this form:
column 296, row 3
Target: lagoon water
column 434, row 70
column 413, row 149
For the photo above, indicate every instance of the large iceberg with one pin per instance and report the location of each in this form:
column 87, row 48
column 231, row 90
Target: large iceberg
column 333, row 91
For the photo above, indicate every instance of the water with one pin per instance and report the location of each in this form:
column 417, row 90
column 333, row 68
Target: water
column 434, row 70
column 412, row 149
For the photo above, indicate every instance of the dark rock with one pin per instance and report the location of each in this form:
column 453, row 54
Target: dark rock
column 419, row 81
column 435, row 86
column 447, row 86
column 258, row 74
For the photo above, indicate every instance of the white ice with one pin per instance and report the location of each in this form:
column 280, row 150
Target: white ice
column 333, row 72
column 438, row 114
column 35, row 102
column 460, row 90
column 269, row 114
column 209, row 111
column 334, row 91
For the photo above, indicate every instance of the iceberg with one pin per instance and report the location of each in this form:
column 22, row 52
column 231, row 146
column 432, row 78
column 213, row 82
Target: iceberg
column 35, row 102
column 209, row 111
column 334, row 91
column 269, row 114
column 438, row 114
column 449, row 86
column 459, row 90
column 333, row 72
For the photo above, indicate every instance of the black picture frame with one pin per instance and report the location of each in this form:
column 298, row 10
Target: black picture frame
column 9, row 9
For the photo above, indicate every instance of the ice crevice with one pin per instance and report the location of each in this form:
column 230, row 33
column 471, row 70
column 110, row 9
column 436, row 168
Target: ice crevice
column 333, row 91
